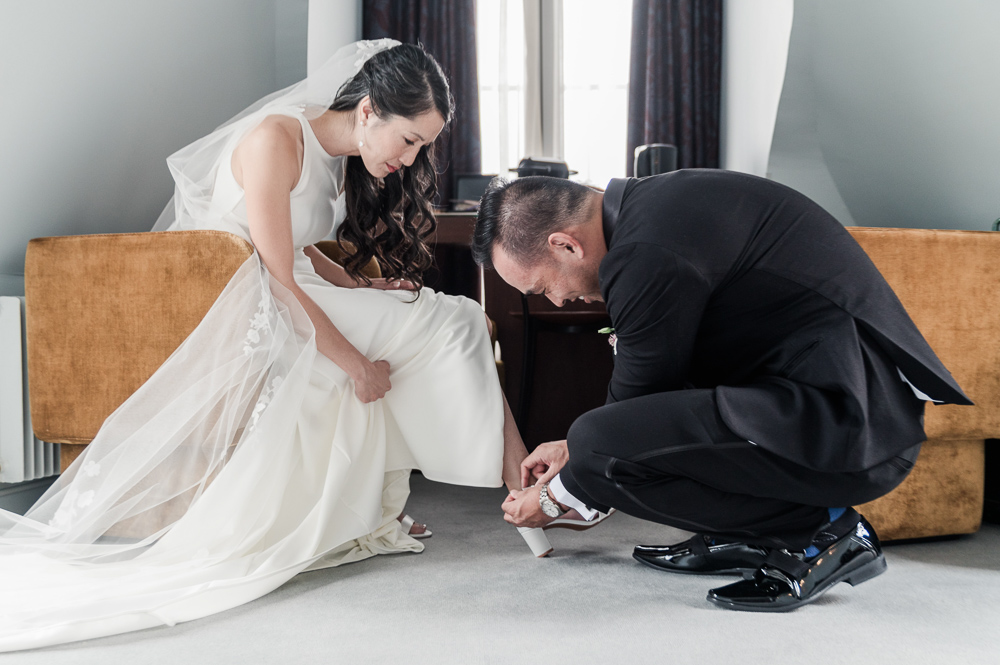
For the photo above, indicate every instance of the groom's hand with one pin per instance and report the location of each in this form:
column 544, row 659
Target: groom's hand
column 521, row 508
column 542, row 465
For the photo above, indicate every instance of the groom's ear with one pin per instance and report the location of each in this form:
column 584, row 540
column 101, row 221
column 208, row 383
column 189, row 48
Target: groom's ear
column 565, row 246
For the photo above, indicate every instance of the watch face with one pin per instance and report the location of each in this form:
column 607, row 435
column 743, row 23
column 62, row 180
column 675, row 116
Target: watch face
column 548, row 506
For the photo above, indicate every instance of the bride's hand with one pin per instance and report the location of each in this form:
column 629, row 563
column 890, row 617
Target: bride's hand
column 392, row 285
column 373, row 383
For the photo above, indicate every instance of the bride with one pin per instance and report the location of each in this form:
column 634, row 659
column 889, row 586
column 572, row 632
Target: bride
column 279, row 437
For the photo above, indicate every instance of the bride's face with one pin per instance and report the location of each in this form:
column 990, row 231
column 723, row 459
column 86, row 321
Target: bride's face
column 392, row 142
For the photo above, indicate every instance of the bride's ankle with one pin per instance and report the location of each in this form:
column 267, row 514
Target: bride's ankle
column 513, row 485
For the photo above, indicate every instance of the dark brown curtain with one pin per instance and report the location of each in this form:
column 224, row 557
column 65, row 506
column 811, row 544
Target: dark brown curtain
column 447, row 29
column 675, row 79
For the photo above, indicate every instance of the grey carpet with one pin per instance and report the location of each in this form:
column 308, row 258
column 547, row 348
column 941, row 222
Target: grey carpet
column 477, row 596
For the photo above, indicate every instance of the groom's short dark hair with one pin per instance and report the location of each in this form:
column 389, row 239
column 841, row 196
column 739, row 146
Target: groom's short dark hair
column 518, row 216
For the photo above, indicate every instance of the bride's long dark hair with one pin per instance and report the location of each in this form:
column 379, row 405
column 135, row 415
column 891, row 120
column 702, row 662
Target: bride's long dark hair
column 390, row 218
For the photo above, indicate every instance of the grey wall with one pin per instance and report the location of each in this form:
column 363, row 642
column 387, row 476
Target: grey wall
column 755, row 39
column 889, row 111
column 95, row 95
column 332, row 24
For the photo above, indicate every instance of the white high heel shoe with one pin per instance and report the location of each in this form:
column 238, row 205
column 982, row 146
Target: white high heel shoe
column 539, row 542
column 536, row 539
column 406, row 523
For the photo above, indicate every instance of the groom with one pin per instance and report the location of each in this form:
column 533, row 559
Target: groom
column 766, row 377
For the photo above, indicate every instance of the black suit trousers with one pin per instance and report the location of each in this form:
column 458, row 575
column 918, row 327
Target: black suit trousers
column 670, row 458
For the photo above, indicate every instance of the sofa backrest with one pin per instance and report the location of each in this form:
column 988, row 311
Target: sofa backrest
column 104, row 311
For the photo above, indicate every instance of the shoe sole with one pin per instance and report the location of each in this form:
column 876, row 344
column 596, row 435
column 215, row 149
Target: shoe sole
column 854, row 577
column 576, row 525
column 678, row 571
column 569, row 527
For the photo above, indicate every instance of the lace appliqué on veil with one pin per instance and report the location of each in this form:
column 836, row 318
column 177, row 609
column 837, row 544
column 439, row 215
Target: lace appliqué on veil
column 68, row 510
column 73, row 500
column 369, row 48
column 260, row 324
column 262, row 402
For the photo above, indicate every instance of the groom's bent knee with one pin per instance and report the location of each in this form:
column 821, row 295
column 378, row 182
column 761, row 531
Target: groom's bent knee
column 590, row 441
column 590, row 434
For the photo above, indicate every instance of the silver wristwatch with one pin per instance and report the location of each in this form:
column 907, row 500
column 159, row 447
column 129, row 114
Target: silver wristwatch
column 549, row 506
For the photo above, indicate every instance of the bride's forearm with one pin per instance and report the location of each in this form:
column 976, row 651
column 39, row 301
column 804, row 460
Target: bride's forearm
column 329, row 269
column 329, row 340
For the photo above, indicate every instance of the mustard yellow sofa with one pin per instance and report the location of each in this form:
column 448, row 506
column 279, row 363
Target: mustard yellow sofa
column 104, row 311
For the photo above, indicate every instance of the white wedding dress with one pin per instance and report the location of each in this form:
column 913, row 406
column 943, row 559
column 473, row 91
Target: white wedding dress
column 247, row 458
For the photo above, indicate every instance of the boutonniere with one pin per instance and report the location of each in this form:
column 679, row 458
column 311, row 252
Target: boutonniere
column 612, row 338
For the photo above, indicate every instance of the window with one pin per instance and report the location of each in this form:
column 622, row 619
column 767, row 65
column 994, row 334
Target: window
column 500, row 54
column 553, row 79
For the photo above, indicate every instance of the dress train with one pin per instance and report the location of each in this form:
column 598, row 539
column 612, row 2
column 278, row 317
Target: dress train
column 247, row 459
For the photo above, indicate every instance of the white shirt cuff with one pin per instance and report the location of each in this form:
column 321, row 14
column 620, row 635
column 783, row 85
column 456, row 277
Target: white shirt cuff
column 559, row 493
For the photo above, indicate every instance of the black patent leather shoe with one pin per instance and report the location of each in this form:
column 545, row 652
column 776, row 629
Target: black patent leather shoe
column 785, row 582
column 701, row 556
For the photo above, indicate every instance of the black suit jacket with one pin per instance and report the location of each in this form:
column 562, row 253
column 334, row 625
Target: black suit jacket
column 717, row 279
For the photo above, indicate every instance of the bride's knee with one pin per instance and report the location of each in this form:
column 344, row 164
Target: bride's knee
column 465, row 320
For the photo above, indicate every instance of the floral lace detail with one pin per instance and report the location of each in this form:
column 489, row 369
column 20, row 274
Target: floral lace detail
column 85, row 499
column 66, row 513
column 259, row 324
column 263, row 401
column 62, row 518
column 367, row 49
column 67, row 510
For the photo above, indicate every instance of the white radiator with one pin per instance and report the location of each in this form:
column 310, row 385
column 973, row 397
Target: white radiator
column 22, row 456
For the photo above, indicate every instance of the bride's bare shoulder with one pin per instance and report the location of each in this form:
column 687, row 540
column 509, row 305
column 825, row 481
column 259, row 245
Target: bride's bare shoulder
column 276, row 141
column 275, row 132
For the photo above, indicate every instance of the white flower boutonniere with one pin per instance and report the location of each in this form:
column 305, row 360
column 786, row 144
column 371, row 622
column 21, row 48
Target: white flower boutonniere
column 612, row 339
